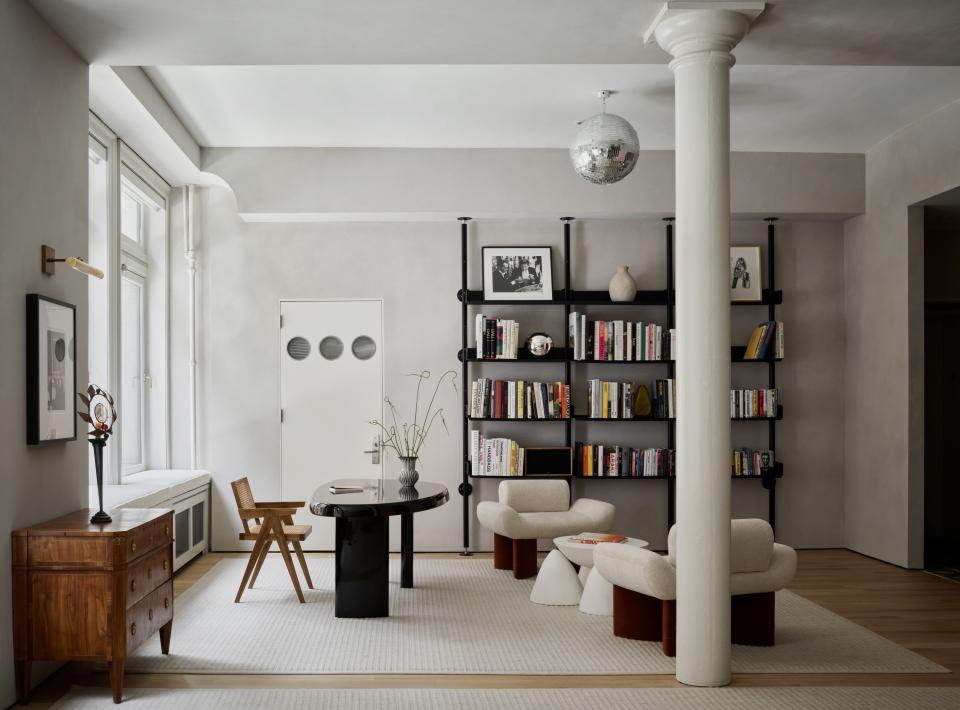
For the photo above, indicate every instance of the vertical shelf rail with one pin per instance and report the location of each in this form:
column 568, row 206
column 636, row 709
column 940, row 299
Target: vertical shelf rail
column 769, row 478
column 567, row 291
column 671, row 372
column 465, row 488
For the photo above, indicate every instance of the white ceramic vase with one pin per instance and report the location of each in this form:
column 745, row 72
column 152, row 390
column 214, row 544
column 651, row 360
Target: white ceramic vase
column 622, row 285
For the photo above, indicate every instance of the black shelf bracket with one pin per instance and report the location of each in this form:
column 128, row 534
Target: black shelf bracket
column 768, row 479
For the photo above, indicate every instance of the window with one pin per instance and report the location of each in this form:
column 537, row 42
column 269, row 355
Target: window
column 143, row 297
column 127, row 331
column 130, row 215
column 132, row 338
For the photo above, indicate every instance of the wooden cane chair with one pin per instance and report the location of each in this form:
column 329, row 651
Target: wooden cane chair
column 266, row 523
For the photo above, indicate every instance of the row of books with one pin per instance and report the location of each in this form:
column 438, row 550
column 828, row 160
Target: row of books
column 594, row 460
column 495, row 457
column 623, row 461
column 619, row 341
column 519, row 399
column 497, row 338
column 616, row 400
column 751, row 404
column 747, row 462
column 663, row 399
column 609, row 400
column 766, row 342
column 615, row 341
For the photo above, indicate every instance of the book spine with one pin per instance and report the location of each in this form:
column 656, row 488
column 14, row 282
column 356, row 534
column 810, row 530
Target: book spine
column 478, row 328
column 474, row 451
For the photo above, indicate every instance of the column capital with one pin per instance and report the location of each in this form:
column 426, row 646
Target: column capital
column 683, row 28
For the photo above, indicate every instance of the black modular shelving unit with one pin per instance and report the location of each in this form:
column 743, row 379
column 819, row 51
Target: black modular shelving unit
column 568, row 298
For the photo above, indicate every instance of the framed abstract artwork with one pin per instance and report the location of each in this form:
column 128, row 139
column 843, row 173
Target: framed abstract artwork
column 745, row 274
column 51, row 370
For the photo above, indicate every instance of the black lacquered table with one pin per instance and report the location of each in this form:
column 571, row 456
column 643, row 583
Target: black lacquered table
column 363, row 537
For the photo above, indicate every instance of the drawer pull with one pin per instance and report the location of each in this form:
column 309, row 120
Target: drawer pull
column 150, row 615
column 133, row 585
column 166, row 530
column 133, row 546
column 149, row 573
column 166, row 603
column 164, row 564
column 133, row 629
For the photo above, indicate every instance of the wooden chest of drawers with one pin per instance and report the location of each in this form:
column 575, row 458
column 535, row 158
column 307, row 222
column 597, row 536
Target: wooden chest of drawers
column 84, row 592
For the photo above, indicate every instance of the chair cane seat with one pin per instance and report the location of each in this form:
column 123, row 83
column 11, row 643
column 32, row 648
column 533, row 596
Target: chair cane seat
column 301, row 532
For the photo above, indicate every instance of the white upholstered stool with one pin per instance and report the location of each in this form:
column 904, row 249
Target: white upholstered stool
column 559, row 584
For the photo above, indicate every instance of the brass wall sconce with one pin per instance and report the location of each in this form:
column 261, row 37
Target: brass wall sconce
column 48, row 260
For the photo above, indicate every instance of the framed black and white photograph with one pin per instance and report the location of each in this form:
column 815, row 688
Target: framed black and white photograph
column 517, row 274
column 51, row 370
column 745, row 274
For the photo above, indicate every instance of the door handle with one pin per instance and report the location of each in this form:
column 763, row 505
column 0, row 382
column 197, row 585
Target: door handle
column 374, row 452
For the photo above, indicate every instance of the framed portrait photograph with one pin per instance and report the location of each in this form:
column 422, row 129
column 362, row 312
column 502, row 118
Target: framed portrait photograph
column 51, row 370
column 517, row 274
column 745, row 274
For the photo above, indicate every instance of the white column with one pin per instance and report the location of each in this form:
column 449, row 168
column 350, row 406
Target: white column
column 700, row 41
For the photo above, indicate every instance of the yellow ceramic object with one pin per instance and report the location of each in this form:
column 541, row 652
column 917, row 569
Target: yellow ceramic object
column 642, row 405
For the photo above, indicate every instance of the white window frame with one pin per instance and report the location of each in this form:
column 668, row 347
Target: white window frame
column 101, row 133
column 150, row 260
column 139, row 279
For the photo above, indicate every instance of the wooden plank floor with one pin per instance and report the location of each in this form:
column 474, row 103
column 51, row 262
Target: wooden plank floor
column 913, row 608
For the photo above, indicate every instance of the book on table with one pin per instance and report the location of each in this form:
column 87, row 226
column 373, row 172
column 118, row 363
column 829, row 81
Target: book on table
column 596, row 538
column 346, row 489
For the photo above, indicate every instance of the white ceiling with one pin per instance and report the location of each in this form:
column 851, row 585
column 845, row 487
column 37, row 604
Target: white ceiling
column 251, row 32
column 774, row 108
column 812, row 75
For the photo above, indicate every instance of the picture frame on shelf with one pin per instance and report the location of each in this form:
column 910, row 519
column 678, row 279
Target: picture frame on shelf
column 745, row 274
column 548, row 461
column 51, row 370
column 517, row 273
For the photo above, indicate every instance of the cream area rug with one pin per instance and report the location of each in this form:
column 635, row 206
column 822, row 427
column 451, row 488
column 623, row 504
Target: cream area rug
column 465, row 617
column 569, row 699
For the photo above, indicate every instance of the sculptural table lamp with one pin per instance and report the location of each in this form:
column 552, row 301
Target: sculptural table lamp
column 98, row 411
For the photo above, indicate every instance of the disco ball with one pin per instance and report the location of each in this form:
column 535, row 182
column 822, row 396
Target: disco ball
column 605, row 149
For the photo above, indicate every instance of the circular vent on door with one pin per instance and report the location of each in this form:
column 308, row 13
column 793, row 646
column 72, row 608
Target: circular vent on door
column 298, row 348
column 363, row 347
column 331, row 347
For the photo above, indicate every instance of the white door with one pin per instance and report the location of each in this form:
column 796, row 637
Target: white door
column 331, row 386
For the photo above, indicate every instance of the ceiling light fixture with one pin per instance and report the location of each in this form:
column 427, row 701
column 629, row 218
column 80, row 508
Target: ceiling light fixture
column 48, row 260
column 606, row 146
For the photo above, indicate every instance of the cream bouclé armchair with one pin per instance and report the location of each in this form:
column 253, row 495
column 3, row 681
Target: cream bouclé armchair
column 528, row 510
column 645, row 585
